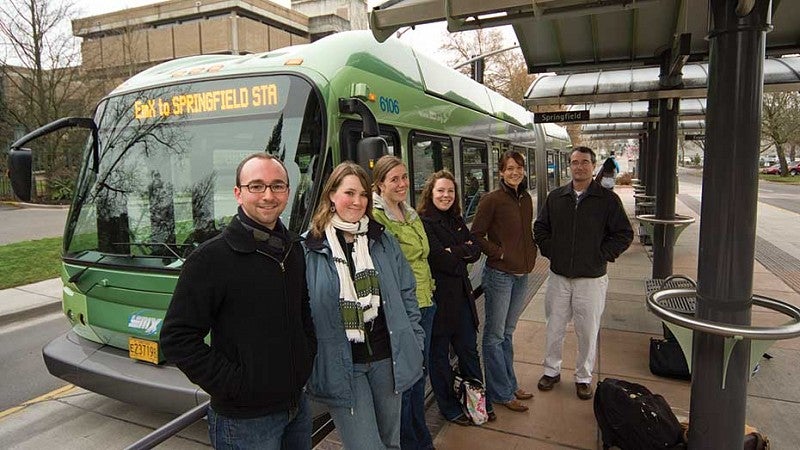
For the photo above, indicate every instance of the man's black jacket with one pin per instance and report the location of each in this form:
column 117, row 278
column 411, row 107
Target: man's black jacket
column 580, row 238
column 255, row 304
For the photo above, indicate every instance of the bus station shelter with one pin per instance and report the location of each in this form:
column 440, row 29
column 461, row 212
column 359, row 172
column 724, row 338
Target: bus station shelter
column 734, row 37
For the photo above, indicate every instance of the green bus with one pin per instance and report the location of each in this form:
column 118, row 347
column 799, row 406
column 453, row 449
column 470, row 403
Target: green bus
column 158, row 172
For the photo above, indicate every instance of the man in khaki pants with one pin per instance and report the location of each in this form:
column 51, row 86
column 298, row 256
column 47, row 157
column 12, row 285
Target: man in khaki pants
column 581, row 228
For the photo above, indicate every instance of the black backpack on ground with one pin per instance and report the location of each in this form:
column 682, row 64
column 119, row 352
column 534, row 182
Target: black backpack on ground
column 633, row 418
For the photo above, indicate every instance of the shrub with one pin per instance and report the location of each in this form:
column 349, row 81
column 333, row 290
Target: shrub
column 624, row 178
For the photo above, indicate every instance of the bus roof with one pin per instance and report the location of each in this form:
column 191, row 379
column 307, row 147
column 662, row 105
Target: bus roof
column 393, row 59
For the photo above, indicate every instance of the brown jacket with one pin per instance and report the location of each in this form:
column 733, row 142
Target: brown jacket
column 503, row 228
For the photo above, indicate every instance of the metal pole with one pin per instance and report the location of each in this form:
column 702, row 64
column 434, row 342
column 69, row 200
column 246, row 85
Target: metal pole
column 171, row 428
column 663, row 235
column 652, row 149
column 728, row 219
column 640, row 159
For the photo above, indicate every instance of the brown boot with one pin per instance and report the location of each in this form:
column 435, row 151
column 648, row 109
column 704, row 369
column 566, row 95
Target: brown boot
column 521, row 394
column 515, row 405
column 546, row 383
column 584, row 391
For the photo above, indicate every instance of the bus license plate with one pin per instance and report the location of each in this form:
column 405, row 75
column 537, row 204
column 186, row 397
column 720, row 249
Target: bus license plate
column 143, row 350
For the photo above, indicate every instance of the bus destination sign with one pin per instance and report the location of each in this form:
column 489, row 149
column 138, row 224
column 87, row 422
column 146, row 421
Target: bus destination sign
column 561, row 116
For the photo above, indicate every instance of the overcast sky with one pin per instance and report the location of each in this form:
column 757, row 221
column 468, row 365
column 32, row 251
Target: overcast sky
column 427, row 37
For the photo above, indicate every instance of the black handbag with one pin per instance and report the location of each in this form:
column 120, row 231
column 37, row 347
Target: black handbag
column 667, row 360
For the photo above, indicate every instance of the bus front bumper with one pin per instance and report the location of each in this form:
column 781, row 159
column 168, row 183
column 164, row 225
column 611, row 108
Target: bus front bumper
column 109, row 371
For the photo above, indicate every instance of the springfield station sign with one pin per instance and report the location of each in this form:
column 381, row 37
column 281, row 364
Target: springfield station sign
column 561, row 116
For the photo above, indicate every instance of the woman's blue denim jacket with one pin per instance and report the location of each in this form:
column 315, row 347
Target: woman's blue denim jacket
column 332, row 377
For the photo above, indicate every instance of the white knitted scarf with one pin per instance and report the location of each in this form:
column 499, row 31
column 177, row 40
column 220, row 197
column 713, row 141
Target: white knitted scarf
column 358, row 301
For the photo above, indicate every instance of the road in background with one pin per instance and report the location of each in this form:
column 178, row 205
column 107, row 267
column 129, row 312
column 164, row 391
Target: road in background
column 23, row 371
column 781, row 195
column 24, row 224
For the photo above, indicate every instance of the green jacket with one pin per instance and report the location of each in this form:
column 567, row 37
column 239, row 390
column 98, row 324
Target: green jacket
column 414, row 244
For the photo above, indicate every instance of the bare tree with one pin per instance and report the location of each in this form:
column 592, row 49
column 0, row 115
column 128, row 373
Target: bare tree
column 41, row 74
column 780, row 123
column 504, row 72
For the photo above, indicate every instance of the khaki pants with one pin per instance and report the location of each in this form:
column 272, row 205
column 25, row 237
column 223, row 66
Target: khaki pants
column 581, row 300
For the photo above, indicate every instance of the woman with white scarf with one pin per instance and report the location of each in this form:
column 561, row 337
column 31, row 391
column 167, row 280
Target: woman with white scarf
column 363, row 302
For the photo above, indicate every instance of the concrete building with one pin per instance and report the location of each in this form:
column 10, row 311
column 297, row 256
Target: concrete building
column 128, row 41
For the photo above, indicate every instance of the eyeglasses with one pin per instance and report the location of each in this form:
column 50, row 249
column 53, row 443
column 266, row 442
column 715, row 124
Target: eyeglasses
column 259, row 188
column 580, row 163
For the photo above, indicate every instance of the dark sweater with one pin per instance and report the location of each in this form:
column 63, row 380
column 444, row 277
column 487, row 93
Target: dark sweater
column 255, row 305
column 580, row 238
column 503, row 228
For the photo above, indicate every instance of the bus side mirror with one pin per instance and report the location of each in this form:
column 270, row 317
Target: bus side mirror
column 368, row 150
column 19, row 170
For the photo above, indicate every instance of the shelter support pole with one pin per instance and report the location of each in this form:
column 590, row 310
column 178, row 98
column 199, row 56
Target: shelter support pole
column 728, row 219
column 640, row 158
column 652, row 150
column 664, row 235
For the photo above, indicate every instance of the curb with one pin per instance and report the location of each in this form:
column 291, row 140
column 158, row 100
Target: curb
column 33, row 205
column 30, row 313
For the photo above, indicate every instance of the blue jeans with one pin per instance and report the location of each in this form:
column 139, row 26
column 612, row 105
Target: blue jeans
column 414, row 432
column 285, row 430
column 374, row 420
column 464, row 342
column 505, row 301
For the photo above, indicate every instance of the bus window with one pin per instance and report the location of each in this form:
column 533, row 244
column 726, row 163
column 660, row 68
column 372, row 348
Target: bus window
column 168, row 157
column 475, row 174
column 428, row 154
column 351, row 133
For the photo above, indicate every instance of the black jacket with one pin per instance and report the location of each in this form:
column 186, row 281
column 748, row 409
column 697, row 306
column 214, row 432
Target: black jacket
column 256, row 308
column 581, row 239
column 449, row 269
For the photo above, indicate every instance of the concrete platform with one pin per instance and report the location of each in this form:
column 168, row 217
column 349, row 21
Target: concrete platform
column 558, row 419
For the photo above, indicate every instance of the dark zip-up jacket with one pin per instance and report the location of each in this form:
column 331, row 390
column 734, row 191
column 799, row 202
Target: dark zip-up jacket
column 449, row 268
column 502, row 227
column 581, row 238
column 255, row 304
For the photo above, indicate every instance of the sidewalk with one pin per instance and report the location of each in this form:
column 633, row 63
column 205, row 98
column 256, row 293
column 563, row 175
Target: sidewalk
column 22, row 302
column 558, row 419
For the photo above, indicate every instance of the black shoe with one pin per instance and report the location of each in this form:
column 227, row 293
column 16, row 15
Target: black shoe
column 546, row 383
column 492, row 416
column 462, row 420
column 584, row 391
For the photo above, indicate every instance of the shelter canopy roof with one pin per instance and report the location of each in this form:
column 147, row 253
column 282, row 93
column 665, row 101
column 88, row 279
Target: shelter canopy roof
column 574, row 35
column 780, row 74
column 621, row 112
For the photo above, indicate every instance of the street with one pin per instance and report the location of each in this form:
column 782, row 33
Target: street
column 781, row 195
column 21, row 352
column 22, row 224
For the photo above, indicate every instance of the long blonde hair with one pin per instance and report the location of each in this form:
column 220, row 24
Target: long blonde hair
column 323, row 214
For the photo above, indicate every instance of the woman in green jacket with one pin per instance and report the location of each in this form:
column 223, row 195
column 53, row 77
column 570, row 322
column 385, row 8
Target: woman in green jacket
column 390, row 187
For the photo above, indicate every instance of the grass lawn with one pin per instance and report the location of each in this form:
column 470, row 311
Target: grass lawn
column 29, row 261
column 779, row 179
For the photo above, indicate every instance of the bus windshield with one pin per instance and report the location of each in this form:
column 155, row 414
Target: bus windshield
column 167, row 163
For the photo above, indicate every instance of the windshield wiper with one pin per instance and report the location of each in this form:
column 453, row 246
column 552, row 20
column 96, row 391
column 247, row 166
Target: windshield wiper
column 158, row 244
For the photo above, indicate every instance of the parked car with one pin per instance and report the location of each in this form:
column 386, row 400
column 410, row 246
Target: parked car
column 775, row 169
column 794, row 168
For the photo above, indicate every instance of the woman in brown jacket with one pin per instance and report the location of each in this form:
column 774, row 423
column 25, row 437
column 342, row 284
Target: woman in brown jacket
column 503, row 228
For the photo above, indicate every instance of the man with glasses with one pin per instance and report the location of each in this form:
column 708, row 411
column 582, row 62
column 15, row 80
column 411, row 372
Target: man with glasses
column 580, row 228
column 247, row 287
